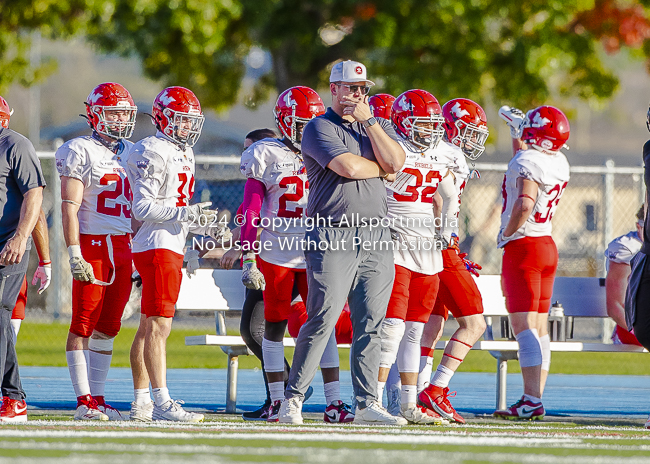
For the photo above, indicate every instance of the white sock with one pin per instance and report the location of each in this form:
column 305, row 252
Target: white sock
column 532, row 399
column 424, row 377
column 98, row 367
column 277, row 390
column 142, row 396
column 161, row 396
column 15, row 325
column 409, row 394
column 78, row 372
column 442, row 376
column 380, row 391
column 87, row 357
column 332, row 392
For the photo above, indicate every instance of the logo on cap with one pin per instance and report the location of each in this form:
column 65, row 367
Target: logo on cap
column 358, row 70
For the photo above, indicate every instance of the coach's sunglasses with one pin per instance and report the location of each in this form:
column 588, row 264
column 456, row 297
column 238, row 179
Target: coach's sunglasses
column 362, row 89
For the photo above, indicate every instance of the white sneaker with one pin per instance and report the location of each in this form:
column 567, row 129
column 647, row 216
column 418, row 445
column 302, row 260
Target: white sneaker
column 173, row 411
column 394, row 401
column 141, row 412
column 417, row 414
column 290, row 411
column 375, row 414
column 83, row 412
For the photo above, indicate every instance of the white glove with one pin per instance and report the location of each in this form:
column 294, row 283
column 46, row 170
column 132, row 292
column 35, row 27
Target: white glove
column 81, row 269
column 515, row 119
column 192, row 259
column 200, row 214
column 251, row 276
column 44, row 273
column 219, row 232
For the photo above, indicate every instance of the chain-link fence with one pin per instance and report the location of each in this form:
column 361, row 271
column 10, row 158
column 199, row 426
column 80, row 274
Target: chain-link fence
column 598, row 205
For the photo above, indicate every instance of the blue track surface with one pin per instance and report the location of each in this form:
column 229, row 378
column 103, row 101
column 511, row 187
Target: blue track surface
column 607, row 395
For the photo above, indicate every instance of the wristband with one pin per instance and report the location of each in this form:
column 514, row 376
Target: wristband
column 45, row 263
column 74, row 251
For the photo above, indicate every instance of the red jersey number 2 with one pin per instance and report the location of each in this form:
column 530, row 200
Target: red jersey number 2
column 186, row 189
column 122, row 187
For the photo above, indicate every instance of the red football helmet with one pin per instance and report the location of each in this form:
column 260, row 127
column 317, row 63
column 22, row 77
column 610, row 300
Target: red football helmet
column 417, row 117
column 546, row 128
column 5, row 113
column 110, row 111
column 381, row 104
column 177, row 114
column 466, row 126
column 294, row 108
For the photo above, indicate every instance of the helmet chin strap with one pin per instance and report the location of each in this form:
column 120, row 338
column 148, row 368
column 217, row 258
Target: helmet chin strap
column 112, row 144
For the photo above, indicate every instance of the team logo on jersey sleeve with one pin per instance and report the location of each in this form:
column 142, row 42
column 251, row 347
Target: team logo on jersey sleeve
column 142, row 164
column 525, row 173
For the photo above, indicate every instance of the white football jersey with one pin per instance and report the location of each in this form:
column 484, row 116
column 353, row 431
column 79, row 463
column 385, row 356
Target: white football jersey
column 551, row 173
column 106, row 205
column 283, row 173
column 410, row 208
column 162, row 179
column 622, row 249
column 460, row 169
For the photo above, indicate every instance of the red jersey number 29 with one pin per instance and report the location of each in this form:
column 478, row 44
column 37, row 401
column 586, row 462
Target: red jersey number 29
column 186, row 189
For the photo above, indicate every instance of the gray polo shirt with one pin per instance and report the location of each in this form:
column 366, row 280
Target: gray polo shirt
column 324, row 138
column 20, row 171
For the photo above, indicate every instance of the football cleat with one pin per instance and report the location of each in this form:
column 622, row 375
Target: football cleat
column 141, row 412
column 260, row 414
column 338, row 413
column 112, row 413
column 273, row 411
column 416, row 414
column 173, row 411
column 522, row 410
column 375, row 414
column 434, row 398
column 13, row 410
column 394, row 400
column 87, row 409
column 290, row 411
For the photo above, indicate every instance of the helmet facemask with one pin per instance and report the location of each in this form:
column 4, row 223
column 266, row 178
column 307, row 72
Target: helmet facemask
column 115, row 129
column 470, row 138
column 424, row 133
column 184, row 128
column 295, row 125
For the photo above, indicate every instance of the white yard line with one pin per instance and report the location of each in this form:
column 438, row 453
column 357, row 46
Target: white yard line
column 89, row 452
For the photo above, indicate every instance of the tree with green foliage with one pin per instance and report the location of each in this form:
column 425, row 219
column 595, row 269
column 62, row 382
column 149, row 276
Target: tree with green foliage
column 523, row 53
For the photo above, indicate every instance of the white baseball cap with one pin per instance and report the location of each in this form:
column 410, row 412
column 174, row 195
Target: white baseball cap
column 349, row 71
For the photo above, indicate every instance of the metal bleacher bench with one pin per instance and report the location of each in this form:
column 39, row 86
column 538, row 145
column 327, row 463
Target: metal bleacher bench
column 222, row 291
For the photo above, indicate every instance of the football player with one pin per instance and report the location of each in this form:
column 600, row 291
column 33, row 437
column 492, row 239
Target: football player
column 532, row 188
column 465, row 133
column 620, row 253
column 417, row 117
column 97, row 230
column 277, row 187
column 161, row 171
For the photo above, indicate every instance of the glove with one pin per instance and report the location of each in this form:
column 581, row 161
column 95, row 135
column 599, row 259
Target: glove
column 220, row 232
column 251, row 276
column 200, row 214
column 44, row 273
column 81, row 270
column 471, row 266
column 192, row 259
column 136, row 279
column 515, row 119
